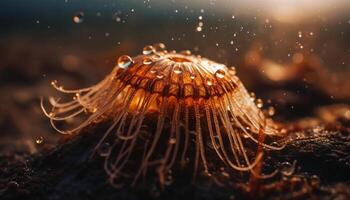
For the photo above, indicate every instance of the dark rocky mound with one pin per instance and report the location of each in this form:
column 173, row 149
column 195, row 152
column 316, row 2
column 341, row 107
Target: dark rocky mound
column 315, row 164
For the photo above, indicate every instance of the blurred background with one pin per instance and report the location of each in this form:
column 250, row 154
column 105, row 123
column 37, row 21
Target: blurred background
column 295, row 54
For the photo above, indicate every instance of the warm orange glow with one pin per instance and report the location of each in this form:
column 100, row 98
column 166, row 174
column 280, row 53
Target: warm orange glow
column 179, row 98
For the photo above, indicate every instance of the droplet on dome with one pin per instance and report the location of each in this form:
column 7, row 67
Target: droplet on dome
column 220, row 73
column 124, row 61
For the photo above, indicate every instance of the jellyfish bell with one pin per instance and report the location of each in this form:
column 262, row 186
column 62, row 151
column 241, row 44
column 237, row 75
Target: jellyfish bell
column 166, row 109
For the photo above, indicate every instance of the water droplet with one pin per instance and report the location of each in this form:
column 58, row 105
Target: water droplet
column 286, row 168
column 232, row 71
column 172, row 141
column 124, row 61
column 147, row 61
column 220, row 73
column 259, row 103
column 177, row 69
column 160, row 75
column 156, row 57
column 275, row 144
column 209, row 82
column 159, row 46
column 252, row 96
column 118, row 19
column 148, row 50
column 104, row 149
column 192, row 76
column 300, row 34
column 315, row 181
column 78, row 18
column 271, row 111
column 39, row 140
column 186, row 52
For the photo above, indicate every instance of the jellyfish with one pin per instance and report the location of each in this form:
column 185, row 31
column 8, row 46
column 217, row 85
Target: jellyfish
column 164, row 109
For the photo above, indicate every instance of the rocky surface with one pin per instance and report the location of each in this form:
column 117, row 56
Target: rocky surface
column 315, row 164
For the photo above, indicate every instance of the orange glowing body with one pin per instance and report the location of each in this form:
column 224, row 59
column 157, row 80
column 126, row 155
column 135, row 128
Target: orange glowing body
column 185, row 100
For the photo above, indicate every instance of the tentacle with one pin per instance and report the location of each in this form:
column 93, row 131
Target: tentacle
column 157, row 135
column 199, row 137
column 187, row 135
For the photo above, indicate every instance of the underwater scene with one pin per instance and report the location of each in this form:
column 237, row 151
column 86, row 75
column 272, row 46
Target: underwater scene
column 174, row 99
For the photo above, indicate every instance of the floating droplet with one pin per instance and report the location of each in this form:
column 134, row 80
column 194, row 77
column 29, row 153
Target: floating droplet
column 39, row 140
column 300, row 34
column 271, row 111
column 78, row 18
column 124, row 61
column 220, row 73
column 259, row 103
column 286, row 168
column 147, row 61
column 118, row 19
column 148, row 50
